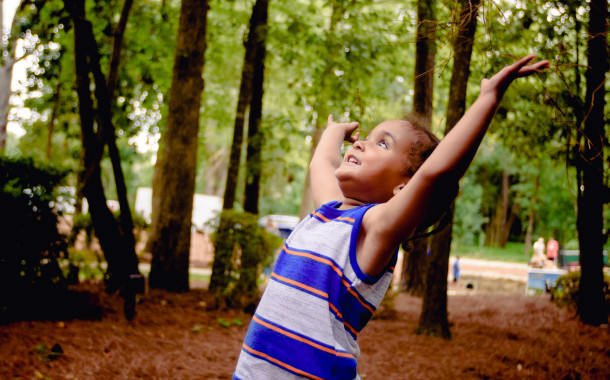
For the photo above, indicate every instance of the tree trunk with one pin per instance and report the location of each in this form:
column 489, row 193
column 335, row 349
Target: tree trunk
column 591, row 305
column 118, row 251
column 414, row 265
column 255, row 136
column 425, row 51
column 106, row 90
column 496, row 229
column 6, row 77
column 532, row 215
column 508, row 226
column 423, row 85
column 171, row 233
column 107, row 131
column 243, row 100
column 433, row 319
column 117, row 46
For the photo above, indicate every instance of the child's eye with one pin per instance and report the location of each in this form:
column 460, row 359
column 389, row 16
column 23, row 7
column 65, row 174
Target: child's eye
column 383, row 144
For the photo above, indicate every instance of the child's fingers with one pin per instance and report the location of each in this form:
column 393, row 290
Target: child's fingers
column 354, row 138
column 533, row 68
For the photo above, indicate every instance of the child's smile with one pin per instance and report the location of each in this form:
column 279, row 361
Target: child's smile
column 351, row 159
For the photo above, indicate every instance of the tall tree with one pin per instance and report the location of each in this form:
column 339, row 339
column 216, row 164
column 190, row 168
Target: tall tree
column 255, row 135
column 433, row 318
column 171, row 230
column 415, row 261
column 257, row 25
column 116, row 243
column 253, row 60
column 592, row 193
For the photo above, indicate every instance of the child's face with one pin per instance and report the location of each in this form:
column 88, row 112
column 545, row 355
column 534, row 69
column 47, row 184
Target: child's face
column 373, row 169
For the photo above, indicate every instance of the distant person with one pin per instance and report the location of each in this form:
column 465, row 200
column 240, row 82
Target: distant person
column 337, row 264
column 552, row 248
column 456, row 269
column 538, row 259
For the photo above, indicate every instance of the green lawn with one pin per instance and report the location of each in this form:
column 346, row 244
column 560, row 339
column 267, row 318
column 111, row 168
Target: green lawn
column 513, row 252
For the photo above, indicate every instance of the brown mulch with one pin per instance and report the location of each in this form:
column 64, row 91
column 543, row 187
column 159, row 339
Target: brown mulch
column 176, row 336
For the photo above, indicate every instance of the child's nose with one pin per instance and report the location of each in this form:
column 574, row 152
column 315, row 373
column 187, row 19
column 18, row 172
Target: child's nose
column 359, row 145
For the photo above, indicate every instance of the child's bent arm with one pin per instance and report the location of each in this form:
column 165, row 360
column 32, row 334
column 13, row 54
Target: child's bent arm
column 389, row 224
column 326, row 159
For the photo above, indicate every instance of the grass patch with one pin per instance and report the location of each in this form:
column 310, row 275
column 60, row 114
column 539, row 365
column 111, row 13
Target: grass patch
column 513, row 252
column 199, row 277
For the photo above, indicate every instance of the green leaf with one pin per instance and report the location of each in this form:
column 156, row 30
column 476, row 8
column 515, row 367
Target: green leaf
column 223, row 322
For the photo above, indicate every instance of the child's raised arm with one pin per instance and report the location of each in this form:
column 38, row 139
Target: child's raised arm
column 326, row 160
column 388, row 224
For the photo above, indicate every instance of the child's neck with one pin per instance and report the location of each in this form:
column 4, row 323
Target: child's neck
column 348, row 203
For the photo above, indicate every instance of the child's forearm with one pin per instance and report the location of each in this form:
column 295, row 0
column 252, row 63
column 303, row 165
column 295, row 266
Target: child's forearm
column 456, row 151
column 326, row 159
column 328, row 151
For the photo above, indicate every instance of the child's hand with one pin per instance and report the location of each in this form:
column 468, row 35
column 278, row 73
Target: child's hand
column 498, row 84
column 348, row 129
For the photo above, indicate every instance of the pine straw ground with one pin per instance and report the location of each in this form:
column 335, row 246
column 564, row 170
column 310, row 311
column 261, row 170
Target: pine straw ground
column 175, row 336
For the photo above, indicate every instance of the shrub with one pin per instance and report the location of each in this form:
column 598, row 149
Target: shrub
column 241, row 249
column 565, row 291
column 31, row 243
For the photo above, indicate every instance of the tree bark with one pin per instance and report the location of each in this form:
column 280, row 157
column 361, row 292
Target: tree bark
column 433, row 319
column 425, row 51
column 496, row 230
column 171, row 233
column 243, row 100
column 415, row 259
column 117, row 47
column 591, row 305
column 414, row 266
column 106, row 89
column 118, row 252
column 6, row 79
column 255, row 136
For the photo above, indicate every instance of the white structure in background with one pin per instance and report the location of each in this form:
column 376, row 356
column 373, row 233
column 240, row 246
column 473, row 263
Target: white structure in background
column 205, row 207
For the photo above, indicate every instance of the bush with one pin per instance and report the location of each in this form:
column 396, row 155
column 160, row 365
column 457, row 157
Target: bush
column 241, row 249
column 565, row 291
column 31, row 244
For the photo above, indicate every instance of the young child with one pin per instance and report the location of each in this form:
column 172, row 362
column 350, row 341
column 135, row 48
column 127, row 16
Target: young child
column 337, row 264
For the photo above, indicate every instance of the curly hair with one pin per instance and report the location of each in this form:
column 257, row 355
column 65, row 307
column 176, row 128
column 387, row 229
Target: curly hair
column 423, row 144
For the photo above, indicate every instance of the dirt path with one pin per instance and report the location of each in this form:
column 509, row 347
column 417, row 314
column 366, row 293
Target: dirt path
column 176, row 336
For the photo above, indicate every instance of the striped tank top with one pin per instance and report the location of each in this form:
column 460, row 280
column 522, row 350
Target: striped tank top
column 316, row 303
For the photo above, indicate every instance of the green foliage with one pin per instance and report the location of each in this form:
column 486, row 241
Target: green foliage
column 468, row 220
column 226, row 323
column 31, row 243
column 241, row 249
column 88, row 265
column 359, row 69
column 565, row 293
